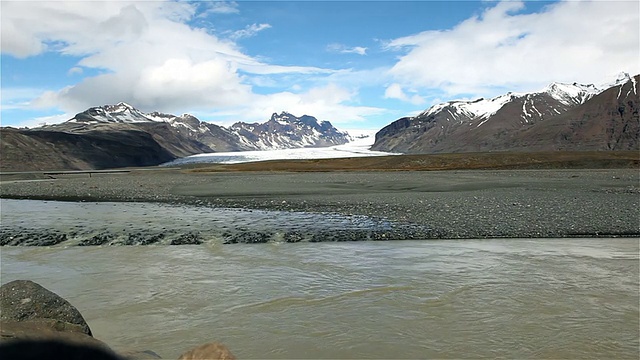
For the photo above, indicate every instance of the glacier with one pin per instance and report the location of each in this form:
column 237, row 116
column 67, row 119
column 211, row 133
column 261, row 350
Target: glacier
column 362, row 140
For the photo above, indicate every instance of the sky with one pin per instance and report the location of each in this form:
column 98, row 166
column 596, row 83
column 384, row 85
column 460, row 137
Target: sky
column 357, row 64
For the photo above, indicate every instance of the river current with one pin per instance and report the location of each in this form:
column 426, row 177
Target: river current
column 509, row 298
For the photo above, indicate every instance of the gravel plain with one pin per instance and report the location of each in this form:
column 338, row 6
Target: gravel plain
column 453, row 204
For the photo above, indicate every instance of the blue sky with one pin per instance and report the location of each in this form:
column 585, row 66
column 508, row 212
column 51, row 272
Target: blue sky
column 358, row 64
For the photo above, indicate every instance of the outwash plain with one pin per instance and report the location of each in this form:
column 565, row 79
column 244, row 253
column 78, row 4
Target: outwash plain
column 455, row 196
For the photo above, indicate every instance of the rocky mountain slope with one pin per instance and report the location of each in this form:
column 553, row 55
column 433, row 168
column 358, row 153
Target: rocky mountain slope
column 285, row 131
column 120, row 135
column 281, row 131
column 38, row 149
column 560, row 117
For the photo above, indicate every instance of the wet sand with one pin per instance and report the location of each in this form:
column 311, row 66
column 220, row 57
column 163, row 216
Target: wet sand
column 455, row 204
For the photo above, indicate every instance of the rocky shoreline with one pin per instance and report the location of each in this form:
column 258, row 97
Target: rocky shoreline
column 37, row 324
column 31, row 237
column 424, row 205
column 50, row 223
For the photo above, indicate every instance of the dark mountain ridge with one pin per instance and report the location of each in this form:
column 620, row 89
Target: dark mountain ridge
column 121, row 136
column 560, row 117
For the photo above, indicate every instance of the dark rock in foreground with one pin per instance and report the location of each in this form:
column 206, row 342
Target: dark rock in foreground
column 53, row 349
column 37, row 324
column 23, row 300
column 140, row 355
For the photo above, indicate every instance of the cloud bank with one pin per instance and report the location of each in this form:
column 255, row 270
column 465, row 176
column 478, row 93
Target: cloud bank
column 148, row 55
column 503, row 48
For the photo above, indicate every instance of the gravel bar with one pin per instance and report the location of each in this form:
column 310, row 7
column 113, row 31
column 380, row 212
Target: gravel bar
column 454, row 204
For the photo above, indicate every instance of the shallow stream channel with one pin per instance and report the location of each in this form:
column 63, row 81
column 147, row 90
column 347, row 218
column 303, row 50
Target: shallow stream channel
column 48, row 223
column 289, row 298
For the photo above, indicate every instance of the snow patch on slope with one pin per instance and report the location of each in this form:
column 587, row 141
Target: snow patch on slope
column 475, row 109
column 119, row 113
column 482, row 109
column 571, row 94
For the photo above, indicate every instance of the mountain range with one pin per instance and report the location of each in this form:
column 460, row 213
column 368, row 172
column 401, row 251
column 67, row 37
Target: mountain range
column 121, row 135
column 559, row 117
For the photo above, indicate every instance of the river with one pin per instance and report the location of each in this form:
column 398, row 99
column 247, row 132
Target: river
column 510, row 298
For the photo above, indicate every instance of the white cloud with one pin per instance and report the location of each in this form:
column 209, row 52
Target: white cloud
column 330, row 102
column 156, row 63
column 587, row 41
column 150, row 54
column 76, row 28
column 146, row 52
column 18, row 97
column 219, row 7
column 76, row 70
column 46, row 120
column 394, row 91
column 17, row 42
column 343, row 49
column 249, row 31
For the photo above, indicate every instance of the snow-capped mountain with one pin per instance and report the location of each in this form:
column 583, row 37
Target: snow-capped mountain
column 119, row 113
column 120, row 135
column 281, row 131
column 124, row 113
column 485, row 124
column 286, row 131
column 556, row 97
column 568, row 95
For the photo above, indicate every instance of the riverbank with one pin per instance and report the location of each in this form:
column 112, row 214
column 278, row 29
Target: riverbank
column 453, row 204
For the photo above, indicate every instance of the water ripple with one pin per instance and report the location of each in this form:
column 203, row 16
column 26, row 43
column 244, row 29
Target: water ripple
column 440, row 299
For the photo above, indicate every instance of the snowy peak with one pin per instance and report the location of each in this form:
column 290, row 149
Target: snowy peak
column 121, row 106
column 621, row 79
column 284, row 118
column 158, row 116
column 282, row 131
column 576, row 94
column 470, row 109
column 482, row 124
column 285, row 131
column 125, row 113
column 288, row 119
column 119, row 113
column 571, row 94
column 566, row 95
column 189, row 123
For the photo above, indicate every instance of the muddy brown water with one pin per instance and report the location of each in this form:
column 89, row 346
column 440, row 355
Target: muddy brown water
column 509, row 298
column 512, row 298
